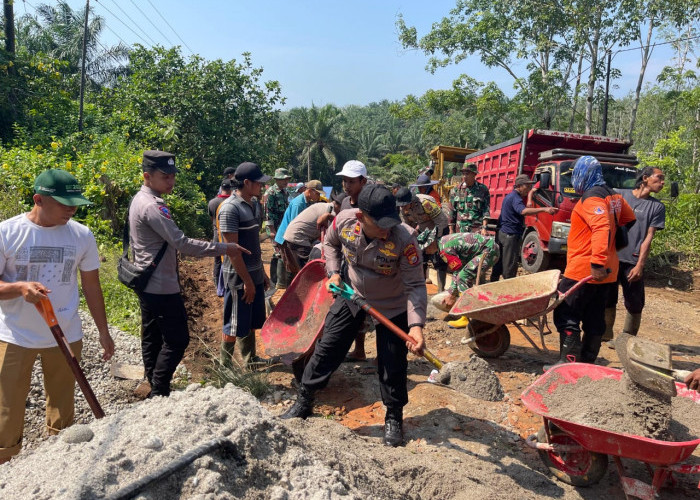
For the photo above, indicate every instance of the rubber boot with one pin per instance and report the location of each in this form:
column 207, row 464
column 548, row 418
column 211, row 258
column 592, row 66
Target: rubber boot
column 442, row 279
column 226, row 354
column 246, row 346
column 393, row 427
column 303, row 407
column 632, row 322
column 273, row 269
column 608, row 336
column 459, row 323
column 569, row 350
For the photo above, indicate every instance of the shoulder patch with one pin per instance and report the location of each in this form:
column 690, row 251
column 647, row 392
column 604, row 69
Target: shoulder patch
column 411, row 254
column 165, row 211
column 599, row 210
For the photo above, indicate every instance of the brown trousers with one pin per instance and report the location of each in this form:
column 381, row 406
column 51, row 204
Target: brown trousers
column 15, row 379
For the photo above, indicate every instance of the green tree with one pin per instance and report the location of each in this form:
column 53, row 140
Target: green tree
column 319, row 140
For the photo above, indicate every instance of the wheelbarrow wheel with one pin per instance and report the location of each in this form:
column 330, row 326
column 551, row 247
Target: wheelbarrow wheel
column 579, row 468
column 492, row 345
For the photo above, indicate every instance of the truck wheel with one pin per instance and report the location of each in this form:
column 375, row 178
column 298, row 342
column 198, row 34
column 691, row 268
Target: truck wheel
column 581, row 468
column 532, row 256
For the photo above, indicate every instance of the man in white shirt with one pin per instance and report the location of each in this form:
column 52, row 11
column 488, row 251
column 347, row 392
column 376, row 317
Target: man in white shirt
column 41, row 253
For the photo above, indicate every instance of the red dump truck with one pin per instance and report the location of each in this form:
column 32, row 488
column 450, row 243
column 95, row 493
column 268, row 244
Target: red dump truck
column 548, row 157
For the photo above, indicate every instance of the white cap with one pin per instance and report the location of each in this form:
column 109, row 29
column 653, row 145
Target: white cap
column 353, row 168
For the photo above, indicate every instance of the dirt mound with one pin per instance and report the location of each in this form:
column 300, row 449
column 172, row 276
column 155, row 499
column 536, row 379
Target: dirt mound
column 474, row 378
column 609, row 404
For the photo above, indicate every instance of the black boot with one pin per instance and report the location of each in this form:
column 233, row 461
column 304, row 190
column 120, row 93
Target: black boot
column 303, row 407
column 569, row 350
column 393, row 427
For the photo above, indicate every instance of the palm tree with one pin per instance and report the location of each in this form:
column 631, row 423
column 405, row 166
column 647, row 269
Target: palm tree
column 320, row 137
column 393, row 141
column 57, row 31
column 370, row 147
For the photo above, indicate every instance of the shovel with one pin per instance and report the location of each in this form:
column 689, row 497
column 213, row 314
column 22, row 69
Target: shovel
column 648, row 363
column 347, row 292
column 46, row 310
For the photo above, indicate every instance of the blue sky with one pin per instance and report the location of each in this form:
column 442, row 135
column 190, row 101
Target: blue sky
column 321, row 52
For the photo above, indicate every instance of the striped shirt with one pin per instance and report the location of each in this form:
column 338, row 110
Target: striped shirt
column 245, row 219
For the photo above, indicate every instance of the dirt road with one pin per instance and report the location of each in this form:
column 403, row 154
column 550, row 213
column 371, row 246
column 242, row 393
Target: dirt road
column 457, row 446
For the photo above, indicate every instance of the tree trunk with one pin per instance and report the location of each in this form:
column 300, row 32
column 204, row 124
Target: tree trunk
column 576, row 89
column 592, row 78
column 646, row 53
column 9, row 27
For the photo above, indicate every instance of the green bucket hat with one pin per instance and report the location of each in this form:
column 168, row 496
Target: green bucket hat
column 282, row 173
column 61, row 186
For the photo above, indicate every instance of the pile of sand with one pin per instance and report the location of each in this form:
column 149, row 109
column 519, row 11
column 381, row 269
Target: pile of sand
column 474, row 378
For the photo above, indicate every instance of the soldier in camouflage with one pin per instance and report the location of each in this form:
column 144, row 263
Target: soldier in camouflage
column 275, row 202
column 470, row 203
column 462, row 253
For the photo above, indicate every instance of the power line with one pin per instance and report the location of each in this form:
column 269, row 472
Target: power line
column 173, row 29
column 118, row 19
column 153, row 42
column 152, row 24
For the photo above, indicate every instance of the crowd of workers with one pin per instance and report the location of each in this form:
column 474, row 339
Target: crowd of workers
column 378, row 239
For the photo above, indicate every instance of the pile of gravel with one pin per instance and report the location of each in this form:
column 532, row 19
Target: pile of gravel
column 263, row 458
column 112, row 394
column 475, row 378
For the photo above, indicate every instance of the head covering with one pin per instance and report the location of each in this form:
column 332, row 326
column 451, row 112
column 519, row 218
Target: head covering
column 338, row 197
column 587, row 173
column 353, row 168
column 158, row 160
column 61, row 186
column 423, row 180
column 316, row 186
column 427, row 237
column 282, row 173
column 470, row 167
column 403, row 197
column 523, row 179
column 229, row 171
column 251, row 171
column 226, row 185
column 377, row 201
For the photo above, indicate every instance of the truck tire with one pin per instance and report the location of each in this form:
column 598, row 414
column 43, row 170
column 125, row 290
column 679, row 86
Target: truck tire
column 532, row 256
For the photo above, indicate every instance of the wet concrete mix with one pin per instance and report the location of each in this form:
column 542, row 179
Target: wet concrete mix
column 475, row 378
column 624, row 407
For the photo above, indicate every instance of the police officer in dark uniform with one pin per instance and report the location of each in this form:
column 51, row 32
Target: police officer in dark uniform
column 164, row 332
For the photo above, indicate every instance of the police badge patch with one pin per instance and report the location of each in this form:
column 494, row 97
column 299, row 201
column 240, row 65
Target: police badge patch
column 164, row 210
column 411, row 254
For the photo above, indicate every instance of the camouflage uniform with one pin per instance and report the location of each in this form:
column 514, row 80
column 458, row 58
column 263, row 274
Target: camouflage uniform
column 462, row 252
column 275, row 205
column 470, row 206
column 425, row 214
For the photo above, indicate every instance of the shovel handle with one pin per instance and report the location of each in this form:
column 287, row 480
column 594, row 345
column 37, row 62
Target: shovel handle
column 46, row 311
column 347, row 292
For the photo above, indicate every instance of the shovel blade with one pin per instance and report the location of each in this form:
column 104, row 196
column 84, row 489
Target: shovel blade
column 647, row 363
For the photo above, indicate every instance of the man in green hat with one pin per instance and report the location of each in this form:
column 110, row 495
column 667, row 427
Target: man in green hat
column 275, row 203
column 41, row 254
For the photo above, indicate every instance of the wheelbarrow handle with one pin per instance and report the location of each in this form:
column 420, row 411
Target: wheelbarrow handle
column 46, row 311
column 561, row 297
column 348, row 293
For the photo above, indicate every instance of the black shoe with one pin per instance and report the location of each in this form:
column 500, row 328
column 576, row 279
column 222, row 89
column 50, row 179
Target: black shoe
column 393, row 432
column 303, row 407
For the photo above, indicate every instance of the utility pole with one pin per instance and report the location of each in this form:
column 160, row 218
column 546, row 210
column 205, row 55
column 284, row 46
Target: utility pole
column 607, row 95
column 82, row 67
column 308, row 164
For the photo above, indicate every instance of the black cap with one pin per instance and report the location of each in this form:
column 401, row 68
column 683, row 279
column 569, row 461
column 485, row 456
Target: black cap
column 251, row 171
column 403, row 197
column 229, row 171
column 338, row 197
column 377, row 201
column 158, row 160
column 226, row 185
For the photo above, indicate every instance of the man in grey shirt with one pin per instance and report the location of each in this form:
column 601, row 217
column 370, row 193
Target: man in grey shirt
column 240, row 220
column 164, row 332
column 651, row 217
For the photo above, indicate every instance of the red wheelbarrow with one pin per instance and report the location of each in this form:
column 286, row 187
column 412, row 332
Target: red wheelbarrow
column 491, row 306
column 296, row 322
column 578, row 454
